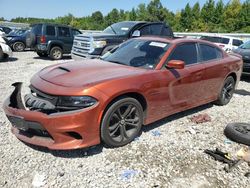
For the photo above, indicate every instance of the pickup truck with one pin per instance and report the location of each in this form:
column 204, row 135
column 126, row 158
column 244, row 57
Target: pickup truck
column 94, row 45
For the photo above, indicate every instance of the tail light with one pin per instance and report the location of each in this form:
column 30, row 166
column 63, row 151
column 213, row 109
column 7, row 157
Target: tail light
column 221, row 45
column 43, row 39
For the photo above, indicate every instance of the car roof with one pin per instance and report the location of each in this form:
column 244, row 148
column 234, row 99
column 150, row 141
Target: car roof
column 176, row 40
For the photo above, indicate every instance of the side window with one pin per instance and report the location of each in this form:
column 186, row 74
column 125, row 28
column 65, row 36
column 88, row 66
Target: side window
column 63, row 32
column 225, row 40
column 156, row 29
column 75, row 32
column 166, row 32
column 185, row 52
column 209, row 52
column 50, row 30
column 237, row 42
column 145, row 30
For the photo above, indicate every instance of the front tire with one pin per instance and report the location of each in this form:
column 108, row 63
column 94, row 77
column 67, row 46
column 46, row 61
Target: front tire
column 122, row 122
column 18, row 46
column 56, row 53
column 227, row 91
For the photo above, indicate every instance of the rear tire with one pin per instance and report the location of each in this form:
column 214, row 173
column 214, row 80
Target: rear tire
column 42, row 54
column 122, row 122
column 18, row 46
column 226, row 92
column 56, row 53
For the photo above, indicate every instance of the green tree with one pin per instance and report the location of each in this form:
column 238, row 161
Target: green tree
column 243, row 21
column 231, row 15
column 186, row 19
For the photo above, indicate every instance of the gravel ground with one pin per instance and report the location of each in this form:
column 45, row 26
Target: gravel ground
column 169, row 153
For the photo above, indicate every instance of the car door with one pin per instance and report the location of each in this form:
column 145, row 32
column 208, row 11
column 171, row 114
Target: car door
column 215, row 69
column 64, row 35
column 185, row 90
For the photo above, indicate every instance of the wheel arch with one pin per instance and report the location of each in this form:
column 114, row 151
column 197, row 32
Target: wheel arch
column 136, row 95
column 53, row 44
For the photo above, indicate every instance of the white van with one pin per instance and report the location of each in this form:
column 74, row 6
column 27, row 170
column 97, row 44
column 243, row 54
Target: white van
column 225, row 42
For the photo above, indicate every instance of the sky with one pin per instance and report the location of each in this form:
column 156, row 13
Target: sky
column 53, row 8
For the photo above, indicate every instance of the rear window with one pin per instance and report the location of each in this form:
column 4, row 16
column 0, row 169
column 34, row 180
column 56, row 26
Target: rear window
column 209, row 52
column 37, row 29
column 237, row 42
column 50, row 30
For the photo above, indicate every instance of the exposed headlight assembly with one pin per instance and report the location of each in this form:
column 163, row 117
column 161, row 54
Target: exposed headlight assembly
column 75, row 102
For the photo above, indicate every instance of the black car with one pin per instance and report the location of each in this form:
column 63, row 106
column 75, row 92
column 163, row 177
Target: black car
column 94, row 45
column 244, row 51
column 51, row 40
column 16, row 39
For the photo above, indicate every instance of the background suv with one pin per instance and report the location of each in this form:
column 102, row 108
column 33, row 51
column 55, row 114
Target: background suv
column 51, row 40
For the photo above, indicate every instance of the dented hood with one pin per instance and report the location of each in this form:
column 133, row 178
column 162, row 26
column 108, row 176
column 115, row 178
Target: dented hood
column 86, row 73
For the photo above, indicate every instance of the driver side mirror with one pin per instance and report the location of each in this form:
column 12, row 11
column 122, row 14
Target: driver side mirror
column 176, row 64
column 136, row 33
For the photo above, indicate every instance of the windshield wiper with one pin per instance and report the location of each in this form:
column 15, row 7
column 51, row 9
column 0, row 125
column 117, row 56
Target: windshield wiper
column 112, row 29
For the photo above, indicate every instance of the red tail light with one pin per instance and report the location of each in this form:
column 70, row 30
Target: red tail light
column 43, row 39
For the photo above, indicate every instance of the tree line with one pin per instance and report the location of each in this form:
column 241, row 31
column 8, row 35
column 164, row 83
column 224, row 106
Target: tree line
column 233, row 16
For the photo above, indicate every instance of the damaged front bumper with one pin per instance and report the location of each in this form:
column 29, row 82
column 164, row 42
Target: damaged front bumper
column 58, row 131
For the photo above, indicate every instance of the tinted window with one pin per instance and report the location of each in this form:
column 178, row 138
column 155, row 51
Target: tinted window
column 156, row 29
column 224, row 40
column 216, row 39
column 145, row 30
column 63, row 32
column 50, row 30
column 142, row 53
column 185, row 52
column 37, row 29
column 237, row 42
column 209, row 52
column 75, row 32
column 166, row 32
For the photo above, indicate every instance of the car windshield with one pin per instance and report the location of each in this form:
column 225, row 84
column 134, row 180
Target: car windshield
column 245, row 45
column 138, row 53
column 121, row 28
column 18, row 32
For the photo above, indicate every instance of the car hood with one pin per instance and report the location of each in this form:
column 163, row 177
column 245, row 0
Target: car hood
column 99, row 35
column 86, row 73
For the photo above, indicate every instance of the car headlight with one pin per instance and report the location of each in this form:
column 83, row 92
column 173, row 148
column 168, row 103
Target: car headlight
column 76, row 101
column 99, row 44
column 9, row 38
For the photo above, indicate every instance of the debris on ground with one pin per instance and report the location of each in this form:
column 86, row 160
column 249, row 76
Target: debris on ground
column 128, row 174
column 201, row 118
column 156, row 133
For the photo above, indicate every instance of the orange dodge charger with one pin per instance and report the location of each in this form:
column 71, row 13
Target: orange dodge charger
column 81, row 104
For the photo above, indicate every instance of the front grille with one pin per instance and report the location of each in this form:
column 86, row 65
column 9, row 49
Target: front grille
column 81, row 45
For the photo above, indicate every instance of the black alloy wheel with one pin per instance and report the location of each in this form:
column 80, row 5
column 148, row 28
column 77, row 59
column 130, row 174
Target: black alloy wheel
column 122, row 122
column 227, row 91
